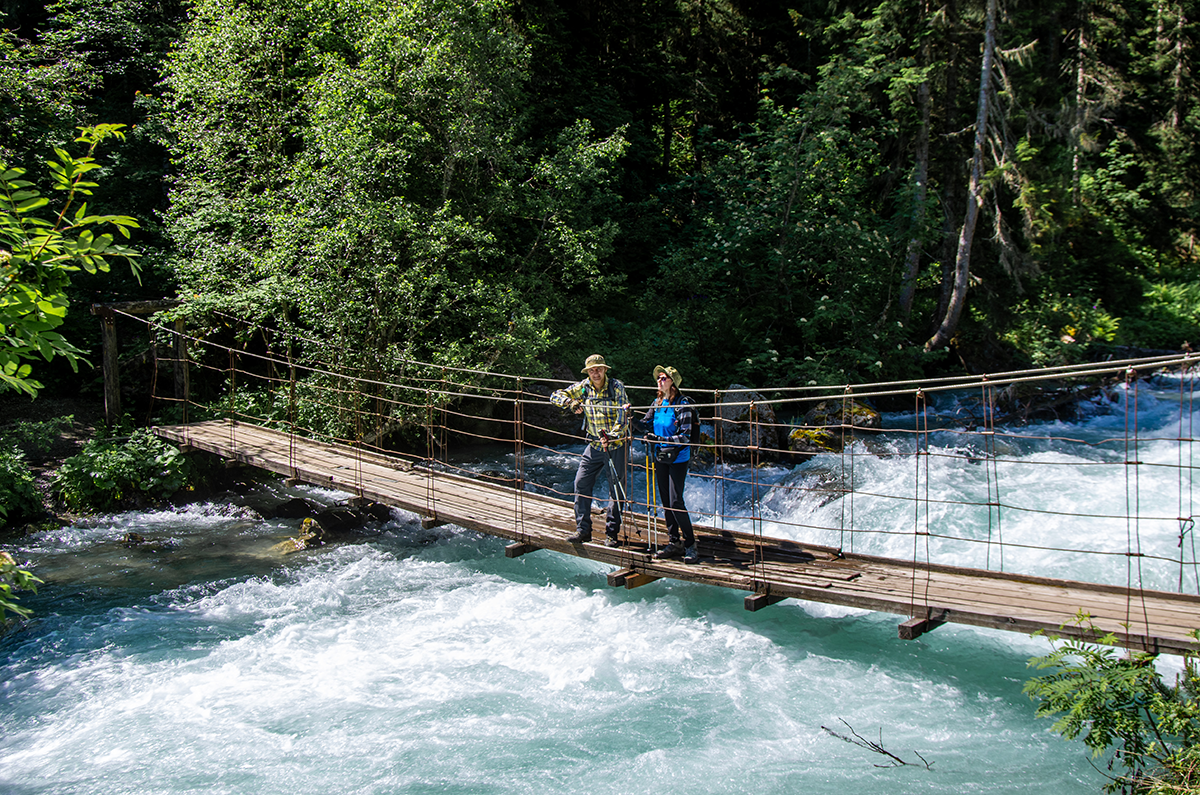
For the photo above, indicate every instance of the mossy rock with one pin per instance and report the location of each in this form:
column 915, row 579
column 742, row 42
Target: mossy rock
column 837, row 412
column 804, row 443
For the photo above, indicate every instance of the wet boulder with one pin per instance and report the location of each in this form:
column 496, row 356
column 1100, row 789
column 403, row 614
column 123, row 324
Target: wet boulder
column 804, row 443
column 295, row 508
column 744, row 421
column 339, row 521
column 838, row 412
column 310, row 535
column 828, row 424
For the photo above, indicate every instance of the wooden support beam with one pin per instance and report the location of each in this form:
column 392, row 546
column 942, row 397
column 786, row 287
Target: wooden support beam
column 638, row 579
column 430, row 522
column 136, row 307
column 519, row 549
column 916, row 627
column 757, row 601
column 617, row 578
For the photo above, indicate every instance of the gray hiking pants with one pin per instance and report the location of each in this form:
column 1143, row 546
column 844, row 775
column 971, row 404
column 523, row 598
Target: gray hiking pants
column 595, row 461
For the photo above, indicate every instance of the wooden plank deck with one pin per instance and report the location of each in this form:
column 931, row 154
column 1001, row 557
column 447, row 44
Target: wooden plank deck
column 769, row 568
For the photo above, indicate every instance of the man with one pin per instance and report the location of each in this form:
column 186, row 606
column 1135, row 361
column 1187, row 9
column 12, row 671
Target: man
column 605, row 409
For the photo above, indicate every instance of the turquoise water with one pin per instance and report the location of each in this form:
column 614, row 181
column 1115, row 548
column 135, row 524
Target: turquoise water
column 419, row 661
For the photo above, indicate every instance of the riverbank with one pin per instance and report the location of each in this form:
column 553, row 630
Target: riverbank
column 47, row 448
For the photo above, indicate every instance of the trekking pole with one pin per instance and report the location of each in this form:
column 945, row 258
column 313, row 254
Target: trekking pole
column 651, row 509
column 617, row 484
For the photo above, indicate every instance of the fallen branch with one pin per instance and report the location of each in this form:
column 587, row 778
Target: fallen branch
column 877, row 747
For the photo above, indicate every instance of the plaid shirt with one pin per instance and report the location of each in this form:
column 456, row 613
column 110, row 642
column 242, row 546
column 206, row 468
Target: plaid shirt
column 600, row 412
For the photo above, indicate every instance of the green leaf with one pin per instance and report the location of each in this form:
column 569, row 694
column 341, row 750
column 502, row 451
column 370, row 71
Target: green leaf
column 31, row 204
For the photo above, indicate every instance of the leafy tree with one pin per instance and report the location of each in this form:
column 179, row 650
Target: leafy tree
column 362, row 171
column 43, row 87
column 1118, row 702
column 14, row 578
column 40, row 256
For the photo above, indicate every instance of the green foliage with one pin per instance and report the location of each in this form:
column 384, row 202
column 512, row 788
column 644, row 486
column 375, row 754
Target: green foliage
column 109, row 474
column 1117, row 701
column 1169, row 317
column 18, row 498
column 39, row 257
column 786, row 256
column 14, row 578
column 35, row 438
column 43, row 86
column 1057, row 330
column 498, row 183
column 377, row 192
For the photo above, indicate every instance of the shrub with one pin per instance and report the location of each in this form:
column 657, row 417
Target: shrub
column 14, row 578
column 1117, row 700
column 18, row 499
column 1057, row 330
column 110, row 474
column 36, row 438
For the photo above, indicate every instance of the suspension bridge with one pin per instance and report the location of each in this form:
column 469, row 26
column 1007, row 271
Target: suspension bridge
column 335, row 426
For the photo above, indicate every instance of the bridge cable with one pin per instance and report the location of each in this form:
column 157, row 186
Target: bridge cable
column 430, row 493
column 718, row 457
column 292, row 411
column 757, row 559
column 232, row 399
column 1133, row 538
column 1187, row 522
column 519, row 459
column 992, row 472
column 847, row 494
column 920, row 504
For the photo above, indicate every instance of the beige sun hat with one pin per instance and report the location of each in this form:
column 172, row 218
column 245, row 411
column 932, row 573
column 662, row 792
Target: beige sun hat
column 595, row 360
column 672, row 373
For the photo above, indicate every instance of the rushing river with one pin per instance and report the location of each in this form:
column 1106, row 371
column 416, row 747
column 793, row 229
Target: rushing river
column 420, row 661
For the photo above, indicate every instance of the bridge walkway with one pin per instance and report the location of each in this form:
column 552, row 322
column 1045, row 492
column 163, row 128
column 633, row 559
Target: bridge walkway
column 769, row 569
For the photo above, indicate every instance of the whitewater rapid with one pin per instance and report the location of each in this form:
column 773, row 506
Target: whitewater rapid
column 420, row 661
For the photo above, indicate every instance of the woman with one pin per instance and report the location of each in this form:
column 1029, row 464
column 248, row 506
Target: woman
column 671, row 417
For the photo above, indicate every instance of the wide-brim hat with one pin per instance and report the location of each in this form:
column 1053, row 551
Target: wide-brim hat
column 672, row 373
column 595, row 360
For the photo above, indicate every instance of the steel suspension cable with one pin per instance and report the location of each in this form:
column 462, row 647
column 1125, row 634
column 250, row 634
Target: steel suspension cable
column 1133, row 537
column 758, row 563
column 992, row 471
column 1187, row 523
column 921, row 418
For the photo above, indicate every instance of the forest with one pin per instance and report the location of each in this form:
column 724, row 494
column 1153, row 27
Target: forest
column 774, row 194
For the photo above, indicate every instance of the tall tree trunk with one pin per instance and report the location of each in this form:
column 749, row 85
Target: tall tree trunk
column 1080, row 125
column 912, row 262
column 1180, row 66
column 962, row 261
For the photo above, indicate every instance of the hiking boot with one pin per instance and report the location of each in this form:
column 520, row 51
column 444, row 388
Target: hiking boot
column 690, row 555
column 611, row 541
column 671, row 550
column 580, row 537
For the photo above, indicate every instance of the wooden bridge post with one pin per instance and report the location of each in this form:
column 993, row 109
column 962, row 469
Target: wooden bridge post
column 110, row 366
column 183, row 386
column 109, row 358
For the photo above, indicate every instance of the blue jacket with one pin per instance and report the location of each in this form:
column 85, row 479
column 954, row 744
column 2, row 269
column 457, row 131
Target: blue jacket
column 672, row 426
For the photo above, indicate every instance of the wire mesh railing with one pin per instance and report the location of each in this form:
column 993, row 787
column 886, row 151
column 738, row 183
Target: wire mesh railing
column 973, row 471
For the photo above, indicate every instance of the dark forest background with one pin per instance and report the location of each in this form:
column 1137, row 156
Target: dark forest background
column 775, row 194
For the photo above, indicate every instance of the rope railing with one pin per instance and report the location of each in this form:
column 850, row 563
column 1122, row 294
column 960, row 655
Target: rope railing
column 858, row 496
